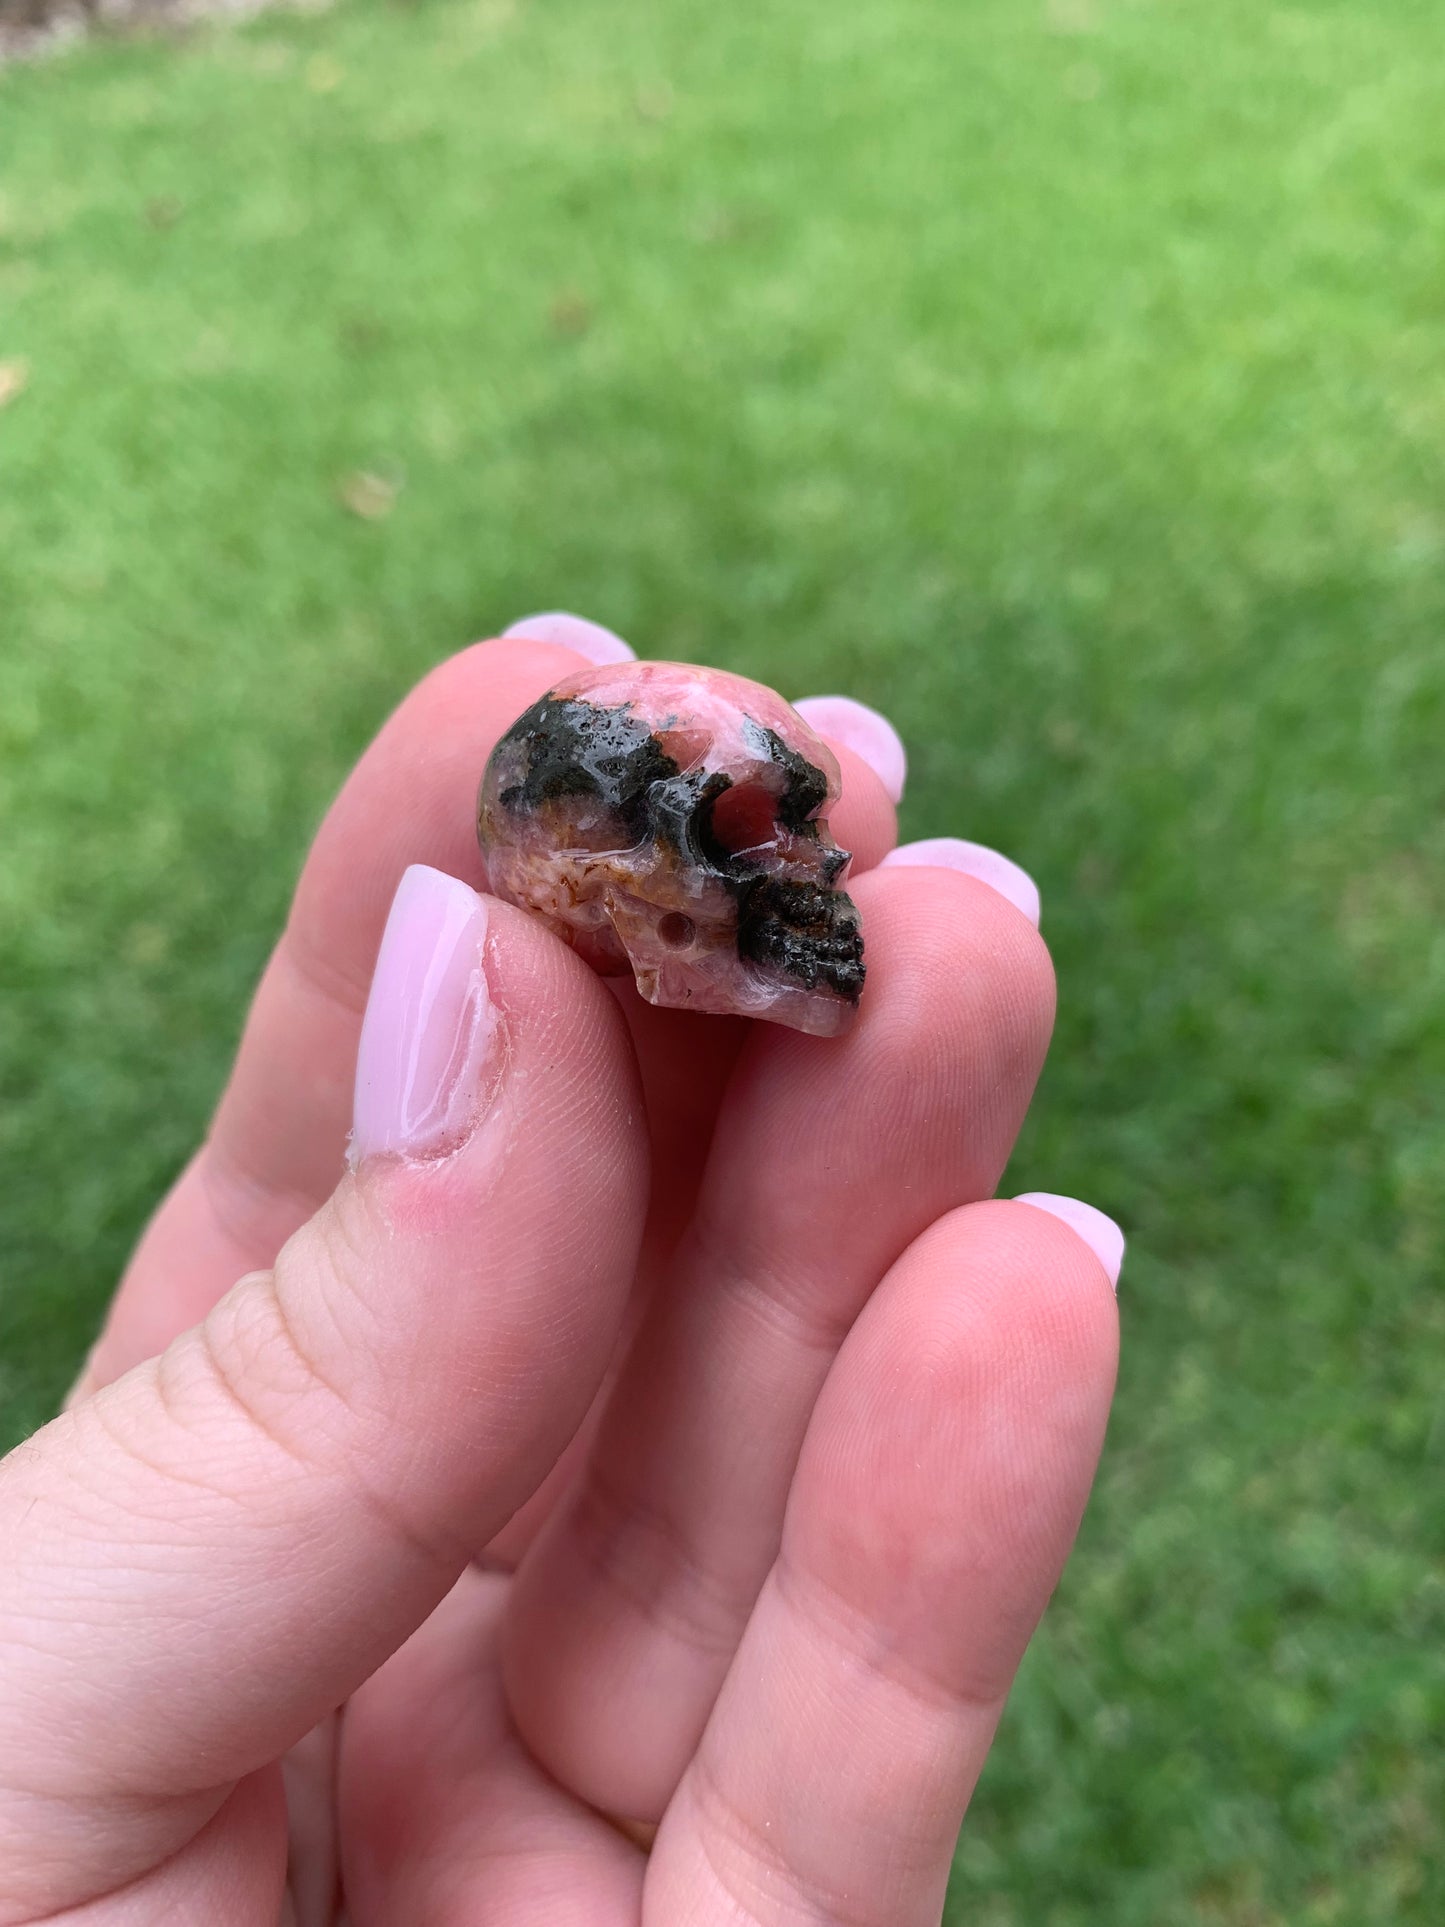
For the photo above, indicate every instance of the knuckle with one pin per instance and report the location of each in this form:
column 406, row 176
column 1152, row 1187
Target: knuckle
column 248, row 1351
column 755, row 1871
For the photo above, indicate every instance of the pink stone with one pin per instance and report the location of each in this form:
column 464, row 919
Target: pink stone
column 670, row 820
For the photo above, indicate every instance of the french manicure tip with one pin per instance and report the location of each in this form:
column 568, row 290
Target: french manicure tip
column 868, row 734
column 999, row 872
column 1098, row 1231
column 576, row 633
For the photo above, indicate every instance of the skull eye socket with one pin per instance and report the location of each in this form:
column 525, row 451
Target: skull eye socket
column 745, row 818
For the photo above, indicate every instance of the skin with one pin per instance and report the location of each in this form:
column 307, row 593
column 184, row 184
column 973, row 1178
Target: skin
column 716, row 1490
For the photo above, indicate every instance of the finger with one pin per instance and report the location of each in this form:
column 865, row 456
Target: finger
column 688, row 1059
column 275, row 1147
column 999, row 872
column 209, row 1556
column 586, row 639
column 937, row 1496
column 829, row 1158
column 309, row 1774
column 233, row 1874
column 448, row 1820
column 863, row 732
column 864, row 819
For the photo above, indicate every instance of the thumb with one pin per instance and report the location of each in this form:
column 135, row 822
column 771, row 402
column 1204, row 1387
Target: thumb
column 210, row 1554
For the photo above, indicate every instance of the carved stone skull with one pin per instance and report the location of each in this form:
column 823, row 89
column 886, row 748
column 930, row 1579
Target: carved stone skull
column 670, row 819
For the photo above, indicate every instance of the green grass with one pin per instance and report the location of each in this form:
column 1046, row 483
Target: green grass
column 1066, row 381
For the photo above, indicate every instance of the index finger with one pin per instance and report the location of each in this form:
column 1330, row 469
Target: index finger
column 276, row 1143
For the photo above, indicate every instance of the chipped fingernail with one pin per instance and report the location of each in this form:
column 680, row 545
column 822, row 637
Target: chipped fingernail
column 1099, row 1233
column 861, row 729
column 974, row 860
column 585, row 638
column 430, row 1035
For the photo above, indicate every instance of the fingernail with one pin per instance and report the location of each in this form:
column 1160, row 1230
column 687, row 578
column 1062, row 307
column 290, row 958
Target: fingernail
column 588, row 639
column 975, row 860
column 430, row 1032
column 1100, row 1234
column 865, row 732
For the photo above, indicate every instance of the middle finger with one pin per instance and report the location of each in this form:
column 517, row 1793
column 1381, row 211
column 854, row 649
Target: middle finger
column 828, row 1159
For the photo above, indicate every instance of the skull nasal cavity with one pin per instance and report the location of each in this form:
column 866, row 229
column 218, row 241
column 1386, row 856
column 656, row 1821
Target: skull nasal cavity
column 745, row 817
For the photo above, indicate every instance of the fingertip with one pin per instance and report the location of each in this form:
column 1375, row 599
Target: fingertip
column 429, row 1031
column 583, row 638
column 1098, row 1231
column 999, row 872
column 870, row 736
column 863, row 820
column 947, row 954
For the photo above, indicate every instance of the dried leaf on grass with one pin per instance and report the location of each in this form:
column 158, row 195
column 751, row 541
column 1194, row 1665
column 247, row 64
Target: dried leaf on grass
column 324, row 74
column 570, row 313
column 368, row 495
column 14, row 375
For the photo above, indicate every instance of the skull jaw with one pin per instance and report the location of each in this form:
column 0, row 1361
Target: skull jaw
column 617, row 932
column 708, row 975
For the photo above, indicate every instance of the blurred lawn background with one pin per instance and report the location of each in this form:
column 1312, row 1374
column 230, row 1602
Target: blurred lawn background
column 1068, row 381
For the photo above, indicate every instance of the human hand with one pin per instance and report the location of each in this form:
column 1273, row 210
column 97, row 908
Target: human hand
column 733, row 1514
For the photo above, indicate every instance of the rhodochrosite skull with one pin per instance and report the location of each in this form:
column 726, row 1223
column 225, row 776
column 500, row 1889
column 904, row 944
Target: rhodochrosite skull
column 671, row 819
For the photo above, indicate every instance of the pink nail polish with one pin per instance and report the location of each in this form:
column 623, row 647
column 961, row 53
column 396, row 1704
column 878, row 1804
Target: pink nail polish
column 1100, row 1234
column 584, row 638
column 430, row 1034
column 861, row 729
column 974, row 860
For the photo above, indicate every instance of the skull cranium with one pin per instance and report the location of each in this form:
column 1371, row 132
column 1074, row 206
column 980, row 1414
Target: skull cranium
column 670, row 819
